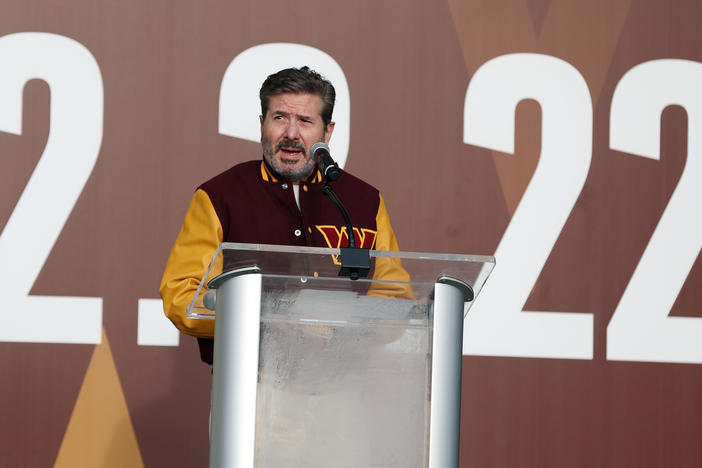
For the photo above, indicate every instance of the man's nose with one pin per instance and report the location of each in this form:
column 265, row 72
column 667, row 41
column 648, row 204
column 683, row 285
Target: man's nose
column 292, row 131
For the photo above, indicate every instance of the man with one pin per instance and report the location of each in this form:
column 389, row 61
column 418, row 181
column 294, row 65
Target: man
column 276, row 200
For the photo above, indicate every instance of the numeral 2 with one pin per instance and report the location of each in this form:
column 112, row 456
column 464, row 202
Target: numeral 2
column 640, row 329
column 496, row 324
column 71, row 150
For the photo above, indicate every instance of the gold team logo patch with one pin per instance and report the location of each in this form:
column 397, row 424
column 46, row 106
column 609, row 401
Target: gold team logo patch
column 337, row 238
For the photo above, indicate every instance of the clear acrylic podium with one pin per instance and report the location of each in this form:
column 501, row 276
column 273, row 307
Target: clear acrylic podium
column 316, row 370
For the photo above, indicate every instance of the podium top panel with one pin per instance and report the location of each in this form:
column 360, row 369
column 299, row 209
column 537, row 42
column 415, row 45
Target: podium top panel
column 392, row 274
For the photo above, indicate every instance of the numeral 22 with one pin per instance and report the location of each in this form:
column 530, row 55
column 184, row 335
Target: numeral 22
column 640, row 329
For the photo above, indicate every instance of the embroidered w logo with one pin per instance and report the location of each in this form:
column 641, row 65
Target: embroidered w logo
column 336, row 238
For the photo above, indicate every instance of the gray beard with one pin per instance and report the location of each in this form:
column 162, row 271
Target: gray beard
column 293, row 175
column 284, row 172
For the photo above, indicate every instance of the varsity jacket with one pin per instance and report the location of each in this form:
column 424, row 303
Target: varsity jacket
column 248, row 204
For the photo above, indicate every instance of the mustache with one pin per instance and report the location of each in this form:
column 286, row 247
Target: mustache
column 290, row 144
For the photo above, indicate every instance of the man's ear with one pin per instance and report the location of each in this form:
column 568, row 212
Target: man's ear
column 260, row 119
column 328, row 132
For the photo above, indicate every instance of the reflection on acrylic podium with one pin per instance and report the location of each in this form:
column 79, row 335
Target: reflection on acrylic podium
column 316, row 370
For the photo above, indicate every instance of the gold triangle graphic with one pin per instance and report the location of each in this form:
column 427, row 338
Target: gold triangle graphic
column 100, row 433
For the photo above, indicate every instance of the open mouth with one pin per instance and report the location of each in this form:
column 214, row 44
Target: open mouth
column 292, row 151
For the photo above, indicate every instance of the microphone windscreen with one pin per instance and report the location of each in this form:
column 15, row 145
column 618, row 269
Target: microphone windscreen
column 318, row 149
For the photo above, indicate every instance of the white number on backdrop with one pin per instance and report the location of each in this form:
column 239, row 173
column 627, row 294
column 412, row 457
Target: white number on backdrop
column 239, row 106
column 640, row 329
column 75, row 135
column 496, row 324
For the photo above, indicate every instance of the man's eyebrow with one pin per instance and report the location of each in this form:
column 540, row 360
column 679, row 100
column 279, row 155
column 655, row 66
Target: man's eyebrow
column 286, row 114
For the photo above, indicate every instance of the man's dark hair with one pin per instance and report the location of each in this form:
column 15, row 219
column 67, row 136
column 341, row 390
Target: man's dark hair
column 296, row 81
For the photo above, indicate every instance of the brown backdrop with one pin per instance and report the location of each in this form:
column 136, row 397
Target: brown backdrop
column 408, row 64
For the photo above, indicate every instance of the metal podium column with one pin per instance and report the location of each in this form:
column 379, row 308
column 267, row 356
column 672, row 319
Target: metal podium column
column 235, row 379
column 447, row 354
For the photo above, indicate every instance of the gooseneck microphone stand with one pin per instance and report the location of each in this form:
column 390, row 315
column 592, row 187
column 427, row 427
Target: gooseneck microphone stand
column 355, row 261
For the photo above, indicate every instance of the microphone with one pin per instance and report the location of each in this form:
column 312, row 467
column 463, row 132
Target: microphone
column 355, row 261
column 320, row 154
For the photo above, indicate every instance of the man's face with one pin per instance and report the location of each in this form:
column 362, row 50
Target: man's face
column 291, row 126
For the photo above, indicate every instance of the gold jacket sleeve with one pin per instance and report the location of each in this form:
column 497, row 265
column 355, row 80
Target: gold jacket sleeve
column 388, row 268
column 191, row 255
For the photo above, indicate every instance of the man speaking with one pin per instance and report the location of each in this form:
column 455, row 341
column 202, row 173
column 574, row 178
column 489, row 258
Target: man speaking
column 276, row 200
